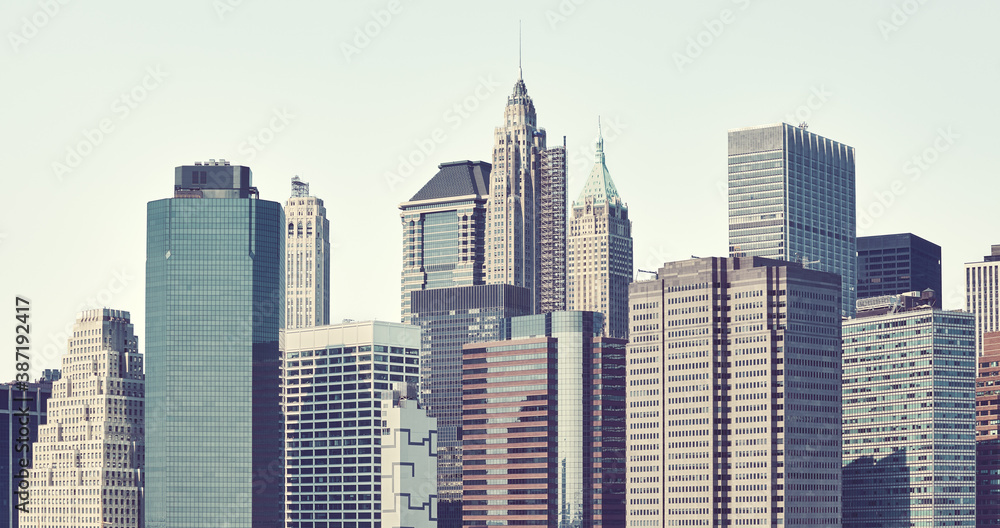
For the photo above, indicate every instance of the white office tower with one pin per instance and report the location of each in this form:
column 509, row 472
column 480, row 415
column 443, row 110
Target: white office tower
column 88, row 460
column 307, row 259
column 982, row 294
column 734, row 395
column 409, row 465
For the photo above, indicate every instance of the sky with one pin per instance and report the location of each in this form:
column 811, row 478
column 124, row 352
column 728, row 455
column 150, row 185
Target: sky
column 101, row 100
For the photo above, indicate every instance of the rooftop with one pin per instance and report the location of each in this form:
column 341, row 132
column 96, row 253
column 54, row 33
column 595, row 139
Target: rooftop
column 456, row 178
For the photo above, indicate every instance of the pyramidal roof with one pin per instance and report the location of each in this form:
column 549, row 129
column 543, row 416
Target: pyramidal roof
column 457, row 178
column 599, row 185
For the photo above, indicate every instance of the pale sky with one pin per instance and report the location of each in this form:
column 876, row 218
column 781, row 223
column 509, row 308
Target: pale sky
column 101, row 100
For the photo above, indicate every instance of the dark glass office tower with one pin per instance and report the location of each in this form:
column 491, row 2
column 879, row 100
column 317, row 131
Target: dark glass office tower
column 792, row 197
column 894, row 264
column 450, row 318
column 215, row 296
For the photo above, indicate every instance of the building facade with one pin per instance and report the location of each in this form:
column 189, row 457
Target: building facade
column 409, row 465
column 600, row 249
column 19, row 402
column 543, row 425
column 792, row 197
column 734, row 395
column 552, row 230
column 987, row 437
column 89, row 458
column 448, row 319
column 513, row 233
column 982, row 293
column 307, row 259
column 335, row 381
column 215, row 302
column 894, row 264
column 444, row 230
column 909, row 439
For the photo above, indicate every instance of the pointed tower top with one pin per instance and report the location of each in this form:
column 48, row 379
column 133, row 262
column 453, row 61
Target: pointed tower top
column 599, row 186
column 599, row 157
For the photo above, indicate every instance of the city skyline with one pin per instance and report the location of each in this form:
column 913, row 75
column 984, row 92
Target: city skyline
column 836, row 98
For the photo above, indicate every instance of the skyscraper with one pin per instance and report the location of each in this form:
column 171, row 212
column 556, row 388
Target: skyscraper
column 88, row 460
column 734, row 395
column 336, row 380
column 600, row 249
column 543, row 416
column 894, row 264
column 792, row 197
column 19, row 402
column 982, row 293
column 215, row 302
column 514, row 206
column 448, row 319
column 307, row 252
column 988, row 433
column 444, row 230
column 552, row 230
column 909, row 392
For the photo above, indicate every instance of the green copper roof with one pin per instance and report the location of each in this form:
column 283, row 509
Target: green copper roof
column 599, row 184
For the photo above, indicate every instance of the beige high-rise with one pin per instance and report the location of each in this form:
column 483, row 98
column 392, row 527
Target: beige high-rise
column 307, row 259
column 600, row 250
column 513, row 210
column 734, row 395
column 88, row 460
column 982, row 294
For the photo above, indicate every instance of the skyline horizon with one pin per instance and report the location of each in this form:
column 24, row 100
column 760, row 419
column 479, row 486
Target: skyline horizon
column 664, row 121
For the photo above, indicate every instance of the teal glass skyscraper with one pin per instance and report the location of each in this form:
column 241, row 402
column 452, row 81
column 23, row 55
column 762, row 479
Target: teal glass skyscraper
column 909, row 414
column 792, row 197
column 215, row 290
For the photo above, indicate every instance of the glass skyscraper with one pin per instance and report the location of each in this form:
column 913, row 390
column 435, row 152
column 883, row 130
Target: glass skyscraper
column 909, row 455
column 215, row 298
column 792, row 197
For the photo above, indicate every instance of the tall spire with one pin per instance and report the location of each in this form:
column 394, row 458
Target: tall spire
column 599, row 156
column 519, row 76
